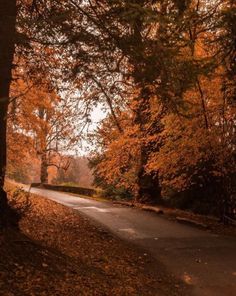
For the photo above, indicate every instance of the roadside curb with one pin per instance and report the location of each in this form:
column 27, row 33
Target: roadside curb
column 159, row 211
column 191, row 222
column 153, row 209
column 123, row 203
column 140, row 206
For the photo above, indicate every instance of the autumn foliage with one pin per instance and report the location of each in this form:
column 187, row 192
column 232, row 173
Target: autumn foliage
column 163, row 72
column 186, row 131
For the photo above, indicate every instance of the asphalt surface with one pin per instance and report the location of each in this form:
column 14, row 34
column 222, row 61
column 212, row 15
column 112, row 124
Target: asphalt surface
column 205, row 261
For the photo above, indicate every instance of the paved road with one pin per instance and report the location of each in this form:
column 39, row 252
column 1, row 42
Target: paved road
column 205, row 261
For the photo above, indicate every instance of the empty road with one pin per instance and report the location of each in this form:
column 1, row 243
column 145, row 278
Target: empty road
column 203, row 260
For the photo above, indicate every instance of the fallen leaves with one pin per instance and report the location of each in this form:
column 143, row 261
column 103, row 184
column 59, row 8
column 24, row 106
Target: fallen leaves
column 61, row 253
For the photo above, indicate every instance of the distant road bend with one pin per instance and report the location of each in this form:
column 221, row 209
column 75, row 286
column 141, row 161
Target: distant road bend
column 205, row 261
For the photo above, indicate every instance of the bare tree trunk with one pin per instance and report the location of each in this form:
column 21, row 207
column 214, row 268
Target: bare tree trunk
column 43, row 145
column 148, row 185
column 44, row 169
column 203, row 103
column 149, row 189
column 7, row 48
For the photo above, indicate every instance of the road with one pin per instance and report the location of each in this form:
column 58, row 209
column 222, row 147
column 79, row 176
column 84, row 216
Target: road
column 203, row 260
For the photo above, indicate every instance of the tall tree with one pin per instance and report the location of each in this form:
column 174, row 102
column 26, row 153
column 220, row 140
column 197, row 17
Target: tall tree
column 47, row 120
column 147, row 40
column 8, row 12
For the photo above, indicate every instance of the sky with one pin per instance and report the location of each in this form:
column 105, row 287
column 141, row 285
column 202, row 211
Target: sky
column 97, row 116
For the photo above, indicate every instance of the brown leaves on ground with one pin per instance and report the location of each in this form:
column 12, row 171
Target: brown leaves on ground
column 61, row 253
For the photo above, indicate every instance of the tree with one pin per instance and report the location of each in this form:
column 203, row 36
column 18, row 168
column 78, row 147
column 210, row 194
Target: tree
column 19, row 21
column 145, row 42
column 172, row 79
column 197, row 158
column 114, row 160
column 48, row 121
column 8, row 13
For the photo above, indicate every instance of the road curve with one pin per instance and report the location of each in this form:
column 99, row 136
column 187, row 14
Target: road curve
column 203, row 260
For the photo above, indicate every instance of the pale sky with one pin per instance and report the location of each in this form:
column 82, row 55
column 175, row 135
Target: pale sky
column 96, row 116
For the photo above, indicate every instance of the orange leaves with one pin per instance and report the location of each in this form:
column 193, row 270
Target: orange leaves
column 180, row 149
column 119, row 164
column 190, row 150
column 44, row 119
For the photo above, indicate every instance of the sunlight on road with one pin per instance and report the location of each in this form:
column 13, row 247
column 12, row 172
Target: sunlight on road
column 129, row 230
column 94, row 208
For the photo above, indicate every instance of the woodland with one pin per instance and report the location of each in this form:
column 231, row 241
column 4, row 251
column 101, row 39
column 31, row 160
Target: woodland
column 164, row 73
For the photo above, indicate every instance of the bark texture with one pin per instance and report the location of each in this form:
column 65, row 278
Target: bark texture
column 149, row 190
column 44, row 169
column 8, row 13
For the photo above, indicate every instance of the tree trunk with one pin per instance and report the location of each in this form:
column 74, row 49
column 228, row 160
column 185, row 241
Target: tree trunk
column 149, row 189
column 148, row 185
column 7, row 48
column 44, row 170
